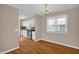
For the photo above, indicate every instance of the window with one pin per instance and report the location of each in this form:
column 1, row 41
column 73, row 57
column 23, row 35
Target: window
column 57, row 24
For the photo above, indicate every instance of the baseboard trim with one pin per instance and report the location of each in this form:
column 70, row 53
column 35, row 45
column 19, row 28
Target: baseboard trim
column 9, row 50
column 59, row 43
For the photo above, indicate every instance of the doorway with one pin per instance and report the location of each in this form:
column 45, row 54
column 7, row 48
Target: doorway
column 27, row 28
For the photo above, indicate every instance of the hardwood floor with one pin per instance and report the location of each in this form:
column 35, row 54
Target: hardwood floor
column 28, row 46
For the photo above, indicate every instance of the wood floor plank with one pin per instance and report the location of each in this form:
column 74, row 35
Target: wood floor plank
column 28, row 46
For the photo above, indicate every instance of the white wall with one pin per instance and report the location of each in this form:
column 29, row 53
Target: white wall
column 8, row 24
column 72, row 36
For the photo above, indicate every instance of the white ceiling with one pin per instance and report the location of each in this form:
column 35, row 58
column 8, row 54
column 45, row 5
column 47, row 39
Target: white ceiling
column 35, row 9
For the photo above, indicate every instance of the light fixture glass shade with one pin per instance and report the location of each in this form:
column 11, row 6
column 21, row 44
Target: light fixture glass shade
column 45, row 10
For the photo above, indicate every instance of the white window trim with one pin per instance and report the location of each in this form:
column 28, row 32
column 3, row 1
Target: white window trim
column 55, row 17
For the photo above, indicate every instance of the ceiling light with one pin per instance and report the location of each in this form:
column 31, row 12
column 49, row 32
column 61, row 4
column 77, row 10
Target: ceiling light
column 45, row 10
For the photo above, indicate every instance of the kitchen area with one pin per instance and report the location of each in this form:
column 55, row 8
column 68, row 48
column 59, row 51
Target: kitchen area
column 27, row 28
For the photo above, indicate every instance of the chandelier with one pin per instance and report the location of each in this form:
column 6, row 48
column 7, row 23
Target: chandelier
column 45, row 10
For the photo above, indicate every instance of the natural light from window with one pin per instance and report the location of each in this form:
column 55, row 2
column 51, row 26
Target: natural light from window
column 57, row 24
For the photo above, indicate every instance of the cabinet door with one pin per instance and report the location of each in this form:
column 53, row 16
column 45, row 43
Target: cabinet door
column 33, row 35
